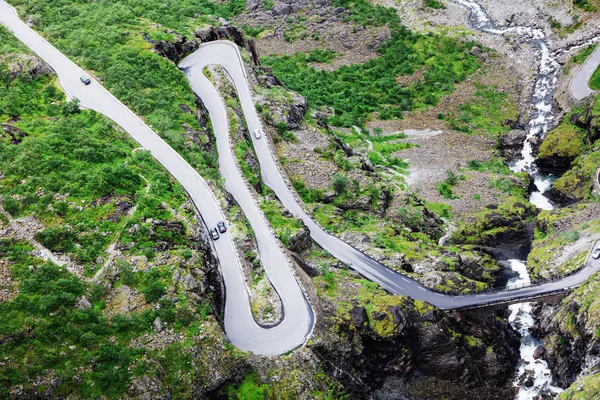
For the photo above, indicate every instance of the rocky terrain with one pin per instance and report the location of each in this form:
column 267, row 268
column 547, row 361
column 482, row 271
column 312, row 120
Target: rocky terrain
column 428, row 194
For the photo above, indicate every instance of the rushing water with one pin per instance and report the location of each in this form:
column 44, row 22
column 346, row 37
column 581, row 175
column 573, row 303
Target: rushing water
column 533, row 376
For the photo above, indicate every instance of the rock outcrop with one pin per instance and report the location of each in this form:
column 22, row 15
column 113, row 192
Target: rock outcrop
column 511, row 144
column 570, row 333
column 412, row 341
column 183, row 45
column 504, row 230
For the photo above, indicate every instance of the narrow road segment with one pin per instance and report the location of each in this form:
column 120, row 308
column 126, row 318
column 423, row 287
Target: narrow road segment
column 240, row 326
column 580, row 84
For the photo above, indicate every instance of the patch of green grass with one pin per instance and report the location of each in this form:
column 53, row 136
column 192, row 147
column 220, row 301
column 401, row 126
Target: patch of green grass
column 445, row 187
column 435, row 4
column 584, row 54
column 595, row 80
column 584, row 5
column 356, row 91
column 485, row 114
column 283, row 226
column 249, row 389
column 495, row 165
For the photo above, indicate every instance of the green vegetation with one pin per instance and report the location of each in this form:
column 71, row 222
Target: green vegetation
column 436, row 4
column 542, row 260
column 283, row 226
column 359, row 90
column 584, row 5
column 595, row 80
column 564, row 141
column 364, row 13
column 250, row 389
column 445, row 187
column 485, row 114
column 66, row 162
column 150, row 85
column 339, row 183
column 85, row 349
column 584, row 54
column 584, row 388
column 8, row 44
column 495, row 165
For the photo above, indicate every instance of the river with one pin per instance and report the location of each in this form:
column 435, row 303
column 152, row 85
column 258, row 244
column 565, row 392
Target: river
column 533, row 377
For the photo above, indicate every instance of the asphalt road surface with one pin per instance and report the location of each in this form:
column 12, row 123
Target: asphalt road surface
column 227, row 55
column 240, row 326
column 579, row 87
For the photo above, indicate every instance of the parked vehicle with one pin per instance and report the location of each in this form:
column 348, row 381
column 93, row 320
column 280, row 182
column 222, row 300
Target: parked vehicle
column 258, row 133
column 214, row 234
column 222, row 227
column 86, row 80
column 596, row 253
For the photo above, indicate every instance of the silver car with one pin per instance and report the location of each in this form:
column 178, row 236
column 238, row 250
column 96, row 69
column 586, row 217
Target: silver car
column 258, row 133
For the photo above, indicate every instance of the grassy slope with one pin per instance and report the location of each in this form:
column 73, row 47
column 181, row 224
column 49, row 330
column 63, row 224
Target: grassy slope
column 43, row 335
column 356, row 91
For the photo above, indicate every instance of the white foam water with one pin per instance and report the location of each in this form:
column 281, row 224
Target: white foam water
column 533, row 376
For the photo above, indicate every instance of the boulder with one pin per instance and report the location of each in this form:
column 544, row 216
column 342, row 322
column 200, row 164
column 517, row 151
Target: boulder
column 359, row 317
column 511, row 144
column 300, row 241
column 539, row 352
column 252, row 5
column 281, row 9
column 16, row 135
column 83, row 303
column 157, row 324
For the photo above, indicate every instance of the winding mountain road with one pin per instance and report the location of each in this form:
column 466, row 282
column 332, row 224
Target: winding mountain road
column 580, row 84
column 227, row 55
column 240, row 326
column 242, row 330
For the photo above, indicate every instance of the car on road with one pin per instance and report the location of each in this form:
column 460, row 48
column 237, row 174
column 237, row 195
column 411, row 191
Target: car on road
column 258, row 133
column 222, row 227
column 596, row 253
column 214, row 234
column 86, row 80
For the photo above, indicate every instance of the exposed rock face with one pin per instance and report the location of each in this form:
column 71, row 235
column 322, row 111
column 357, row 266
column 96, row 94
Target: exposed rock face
column 16, row 135
column 511, row 144
column 300, row 241
column 554, row 165
column 26, row 64
column 589, row 121
column 503, row 231
column 181, row 46
column 288, row 112
column 570, row 333
column 410, row 342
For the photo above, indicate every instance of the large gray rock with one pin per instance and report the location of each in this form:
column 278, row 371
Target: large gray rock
column 188, row 282
column 83, row 303
column 281, row 9
column 252, row 5
column 511, row 144
column 157, row 324
column 300, row 241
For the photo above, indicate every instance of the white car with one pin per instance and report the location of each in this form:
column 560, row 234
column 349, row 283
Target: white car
column 596, row 253
column 258, row 133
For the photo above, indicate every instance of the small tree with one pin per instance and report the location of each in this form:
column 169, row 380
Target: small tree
column 340, row 182
column 71, row 107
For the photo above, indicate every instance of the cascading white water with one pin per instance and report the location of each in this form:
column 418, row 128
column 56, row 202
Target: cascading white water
column 533, row 376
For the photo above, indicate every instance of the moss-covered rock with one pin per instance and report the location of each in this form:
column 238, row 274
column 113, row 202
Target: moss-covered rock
column 503, row 230
column 562, row 240
column 572, row 337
